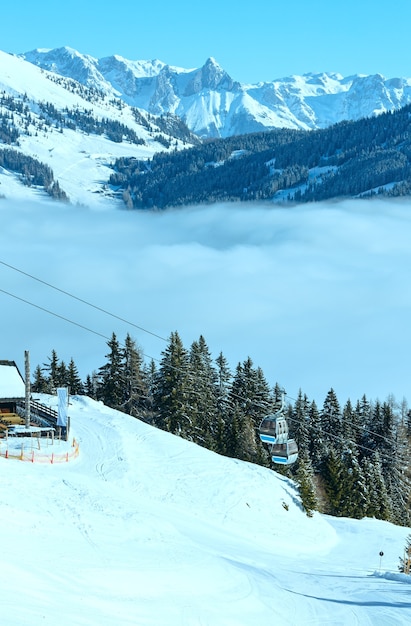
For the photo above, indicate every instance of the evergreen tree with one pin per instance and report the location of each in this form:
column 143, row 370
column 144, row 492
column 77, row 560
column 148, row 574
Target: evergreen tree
column 408, row 423
column 278, row 397
column 332, row 474
column 135, row 388
column 331, row 419
column 379, row 505
column 203, row 394
column 392, row 463
column 350, row 425
column 111, row 376
column 305, row 479
column 299, row 418
column 73, row 379
column 52, row 368
column 405, row 562
column 387, row 444
column 250, row 394
column 354, row 500
column 40, row 383
column 233, row 430
column 224, row 377
column 251, row 391
column 374, row 434
column 403, row 406
column 362, row 418
column 62, row 375
column 91, row 385
column 172, row 393
column 151, row 379
column 316, row 440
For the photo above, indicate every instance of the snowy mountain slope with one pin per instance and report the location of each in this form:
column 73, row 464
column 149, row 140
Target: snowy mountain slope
column 146, row 528
column 213, row 104
column 79, row 129
column 81, row 161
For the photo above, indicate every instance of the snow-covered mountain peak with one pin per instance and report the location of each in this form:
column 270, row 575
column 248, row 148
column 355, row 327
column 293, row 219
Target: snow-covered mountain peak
column 67, row 62
column 140, row 69
column 214, row 76
column 214, row 104
column 210, row 76
column 55, row 58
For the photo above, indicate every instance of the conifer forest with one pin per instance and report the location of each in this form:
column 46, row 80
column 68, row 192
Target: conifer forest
column 352, row 458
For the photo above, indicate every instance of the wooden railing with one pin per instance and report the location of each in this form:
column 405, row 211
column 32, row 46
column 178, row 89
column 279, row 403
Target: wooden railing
column 42, row 411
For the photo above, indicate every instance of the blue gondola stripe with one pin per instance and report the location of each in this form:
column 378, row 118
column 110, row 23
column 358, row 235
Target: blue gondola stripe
column 267, row 439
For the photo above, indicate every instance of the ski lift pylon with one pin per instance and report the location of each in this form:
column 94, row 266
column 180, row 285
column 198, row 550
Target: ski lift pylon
column 273, row 431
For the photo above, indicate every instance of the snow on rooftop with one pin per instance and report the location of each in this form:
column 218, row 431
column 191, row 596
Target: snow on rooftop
column 11, row 383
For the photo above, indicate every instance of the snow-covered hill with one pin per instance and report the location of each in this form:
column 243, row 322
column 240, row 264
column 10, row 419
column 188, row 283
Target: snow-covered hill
column 146, row 528
column 81, row 161
column 213, row 104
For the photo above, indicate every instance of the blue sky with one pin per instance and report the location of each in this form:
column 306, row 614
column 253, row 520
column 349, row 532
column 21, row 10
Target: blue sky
column 252, row 41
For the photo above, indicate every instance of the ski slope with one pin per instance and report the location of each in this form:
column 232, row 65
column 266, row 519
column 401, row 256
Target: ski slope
column 144, row 528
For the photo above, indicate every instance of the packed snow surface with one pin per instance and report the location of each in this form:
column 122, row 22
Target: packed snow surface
column 146, row 528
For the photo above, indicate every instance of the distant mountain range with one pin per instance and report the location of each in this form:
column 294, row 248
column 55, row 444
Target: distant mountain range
column 144, row 134
column 213, row 104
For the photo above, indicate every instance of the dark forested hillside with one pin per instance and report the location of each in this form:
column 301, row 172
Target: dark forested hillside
column 367, row 157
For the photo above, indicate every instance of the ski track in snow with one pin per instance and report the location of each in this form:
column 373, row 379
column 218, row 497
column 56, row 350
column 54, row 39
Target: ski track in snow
column 145, row 528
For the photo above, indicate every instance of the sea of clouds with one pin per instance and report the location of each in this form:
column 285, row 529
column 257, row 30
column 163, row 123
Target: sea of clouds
column 318, row 295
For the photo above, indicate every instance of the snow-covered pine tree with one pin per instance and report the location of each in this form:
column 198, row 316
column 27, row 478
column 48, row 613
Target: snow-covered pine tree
column 62, row 375
column 224, row 378
column 251, row 391
column 333, row 474
column 251, row 397
column 51, row 368
column 331, row 419
column 305, row 479
column 111, row 376
column 151, row 380
column 232, row 432
column 300, row 424
column 40, row 382
column 379, row 505
column 203, row 394
column 91, row 385
column 354, row 500
column 350, row 424
column 172, row 388
column 393, row 463
column 135, row 388
column 405, row 561
column 74, row 381
column 362, row 418
column 317, row 446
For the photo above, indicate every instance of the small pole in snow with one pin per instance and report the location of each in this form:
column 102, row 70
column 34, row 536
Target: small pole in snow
column 381, row 555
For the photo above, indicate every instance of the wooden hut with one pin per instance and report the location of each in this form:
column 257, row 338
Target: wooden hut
column 12, row 393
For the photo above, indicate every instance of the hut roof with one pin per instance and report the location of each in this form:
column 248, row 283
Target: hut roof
column 12, row 384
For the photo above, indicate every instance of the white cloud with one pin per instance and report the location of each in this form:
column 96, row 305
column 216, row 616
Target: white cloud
column 316, row 295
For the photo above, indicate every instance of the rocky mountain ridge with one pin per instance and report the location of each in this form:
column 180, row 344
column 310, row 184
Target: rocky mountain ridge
column 213, row 104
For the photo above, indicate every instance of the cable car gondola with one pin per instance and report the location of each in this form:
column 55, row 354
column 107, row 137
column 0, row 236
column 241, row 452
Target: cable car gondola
column 273, row 431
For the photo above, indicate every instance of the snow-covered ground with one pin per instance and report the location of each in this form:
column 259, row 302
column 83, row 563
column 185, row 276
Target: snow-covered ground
column 144, row 528
column 82, row 163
